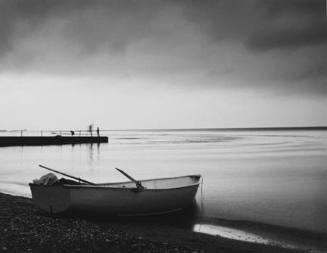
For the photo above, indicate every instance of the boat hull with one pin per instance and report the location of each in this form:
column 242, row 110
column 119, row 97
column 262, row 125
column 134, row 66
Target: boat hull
column 112, row 199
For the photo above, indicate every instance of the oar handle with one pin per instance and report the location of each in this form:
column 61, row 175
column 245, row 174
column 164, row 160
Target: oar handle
column 138, row 183
column 56, row 171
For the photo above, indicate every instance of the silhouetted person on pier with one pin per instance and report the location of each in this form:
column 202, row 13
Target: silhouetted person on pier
column 91, row 129
column 72, row 132
column 98, row 131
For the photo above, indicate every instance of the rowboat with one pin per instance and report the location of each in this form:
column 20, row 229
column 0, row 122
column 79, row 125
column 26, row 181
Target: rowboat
column 156, row 196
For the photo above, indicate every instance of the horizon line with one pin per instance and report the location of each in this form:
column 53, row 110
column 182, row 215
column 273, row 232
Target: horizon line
column 181, row 129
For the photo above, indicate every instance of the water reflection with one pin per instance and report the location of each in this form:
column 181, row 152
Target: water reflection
column 230, row 233
column 91, row 152
column 268, row 237
column 98, row 151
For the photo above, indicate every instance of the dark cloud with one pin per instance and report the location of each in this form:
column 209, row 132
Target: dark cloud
column 253, row 43
column 88, row 23
column 287, row 24
column 302, row 7
column 315, row 73
column 261, row 25
column 286, row 37
column 30, row 14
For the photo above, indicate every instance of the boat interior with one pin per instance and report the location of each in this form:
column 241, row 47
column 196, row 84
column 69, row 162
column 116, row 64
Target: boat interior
column 160, row 183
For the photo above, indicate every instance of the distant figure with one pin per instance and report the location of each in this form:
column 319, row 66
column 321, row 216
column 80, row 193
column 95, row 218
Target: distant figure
column 98, row 131
column 72, row 132
column 91, row 129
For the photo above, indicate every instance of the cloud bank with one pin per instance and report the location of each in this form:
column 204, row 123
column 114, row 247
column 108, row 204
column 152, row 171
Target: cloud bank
column 274, row 45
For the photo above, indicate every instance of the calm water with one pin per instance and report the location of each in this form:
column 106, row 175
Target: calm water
column 276, row 177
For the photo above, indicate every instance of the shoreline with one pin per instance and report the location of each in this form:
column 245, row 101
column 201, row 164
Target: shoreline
column 25, row 229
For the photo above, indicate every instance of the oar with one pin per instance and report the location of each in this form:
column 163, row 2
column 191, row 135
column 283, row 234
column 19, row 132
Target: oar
column 138, row 183
column 76, row 178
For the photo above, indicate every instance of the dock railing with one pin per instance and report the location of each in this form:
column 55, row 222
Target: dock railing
column 48, row 133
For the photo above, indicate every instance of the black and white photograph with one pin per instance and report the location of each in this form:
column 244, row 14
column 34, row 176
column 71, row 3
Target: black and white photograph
column 178, row 126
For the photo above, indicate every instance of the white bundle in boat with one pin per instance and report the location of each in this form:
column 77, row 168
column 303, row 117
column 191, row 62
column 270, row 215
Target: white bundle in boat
column 48, row 179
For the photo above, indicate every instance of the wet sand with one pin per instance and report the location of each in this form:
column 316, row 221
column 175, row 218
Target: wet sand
column 24, row 229
column 285, row 237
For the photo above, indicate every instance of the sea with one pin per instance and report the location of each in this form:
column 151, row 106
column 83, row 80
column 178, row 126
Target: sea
column 270, row 176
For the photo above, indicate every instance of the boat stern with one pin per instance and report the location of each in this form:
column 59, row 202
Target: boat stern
column 52, row 199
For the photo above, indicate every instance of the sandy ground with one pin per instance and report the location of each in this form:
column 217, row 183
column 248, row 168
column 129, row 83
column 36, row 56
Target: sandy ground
column 24, row 229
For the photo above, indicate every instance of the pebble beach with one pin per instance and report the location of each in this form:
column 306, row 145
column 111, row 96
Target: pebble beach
column 25, row 229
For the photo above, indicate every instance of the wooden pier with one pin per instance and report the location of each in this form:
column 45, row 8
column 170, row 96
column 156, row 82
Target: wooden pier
column 49, row 140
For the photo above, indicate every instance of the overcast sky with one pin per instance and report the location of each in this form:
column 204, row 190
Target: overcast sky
column 162, row 64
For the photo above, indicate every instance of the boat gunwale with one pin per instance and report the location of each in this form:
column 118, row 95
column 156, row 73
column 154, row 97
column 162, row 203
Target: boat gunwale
column 107, row 186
